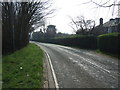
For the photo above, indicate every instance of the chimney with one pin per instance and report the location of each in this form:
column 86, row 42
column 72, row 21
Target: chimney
column 101, row 21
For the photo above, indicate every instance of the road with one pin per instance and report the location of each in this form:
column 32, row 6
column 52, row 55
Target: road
column 78, row 68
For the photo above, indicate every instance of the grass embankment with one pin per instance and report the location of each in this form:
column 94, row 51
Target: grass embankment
column 24, row 68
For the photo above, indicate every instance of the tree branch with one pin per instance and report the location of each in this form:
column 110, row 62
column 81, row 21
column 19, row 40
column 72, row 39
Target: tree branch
column 104, row 5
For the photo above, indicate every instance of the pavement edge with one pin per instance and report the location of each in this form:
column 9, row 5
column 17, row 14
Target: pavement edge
column 49, row 77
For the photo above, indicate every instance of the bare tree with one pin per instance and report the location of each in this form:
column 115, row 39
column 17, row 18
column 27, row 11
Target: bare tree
column 18, row 19
column 108, row 3
column 82, row 26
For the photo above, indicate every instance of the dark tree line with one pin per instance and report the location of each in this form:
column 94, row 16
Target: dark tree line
column 17, row 21
column 45, row 34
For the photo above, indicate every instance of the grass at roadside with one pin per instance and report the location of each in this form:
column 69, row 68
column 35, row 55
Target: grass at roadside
column 24, row 68
column 108, row 54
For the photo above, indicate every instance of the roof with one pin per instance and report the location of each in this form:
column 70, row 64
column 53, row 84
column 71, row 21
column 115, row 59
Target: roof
column 112, row 22
column 51, row 26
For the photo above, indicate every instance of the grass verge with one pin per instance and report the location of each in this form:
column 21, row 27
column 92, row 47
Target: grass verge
column 108, row 54
column 24, row 68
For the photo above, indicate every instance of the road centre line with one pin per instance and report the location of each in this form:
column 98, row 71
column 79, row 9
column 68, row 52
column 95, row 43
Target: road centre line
column 86, row 59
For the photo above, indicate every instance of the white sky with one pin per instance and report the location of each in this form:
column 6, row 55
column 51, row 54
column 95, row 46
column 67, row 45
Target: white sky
column 73, row 8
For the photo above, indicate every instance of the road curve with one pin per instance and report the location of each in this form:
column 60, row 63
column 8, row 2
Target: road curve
column 78, row 68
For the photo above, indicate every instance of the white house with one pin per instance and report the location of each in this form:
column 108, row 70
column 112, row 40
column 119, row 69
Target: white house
column 113, row 25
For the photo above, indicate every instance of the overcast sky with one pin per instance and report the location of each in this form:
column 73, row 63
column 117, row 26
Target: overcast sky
column 74, row 8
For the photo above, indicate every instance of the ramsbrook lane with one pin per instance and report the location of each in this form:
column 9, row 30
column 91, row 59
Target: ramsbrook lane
column 79, row 68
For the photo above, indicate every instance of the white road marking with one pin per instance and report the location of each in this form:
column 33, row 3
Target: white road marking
column 51, row 66
column 53, row 72
column 88, row 60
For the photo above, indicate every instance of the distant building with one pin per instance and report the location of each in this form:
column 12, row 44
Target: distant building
column 51, row 31
column 111, row 26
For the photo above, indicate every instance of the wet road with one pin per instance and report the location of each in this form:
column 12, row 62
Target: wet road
column 78, row 68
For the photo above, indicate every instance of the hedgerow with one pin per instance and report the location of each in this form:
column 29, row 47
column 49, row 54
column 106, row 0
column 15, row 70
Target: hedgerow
column 109, row 42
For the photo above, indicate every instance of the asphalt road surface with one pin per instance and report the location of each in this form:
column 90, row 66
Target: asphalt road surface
column 79, row 68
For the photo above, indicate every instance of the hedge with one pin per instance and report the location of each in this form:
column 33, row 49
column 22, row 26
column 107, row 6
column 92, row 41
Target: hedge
column 87, row 42
column 109, row 42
